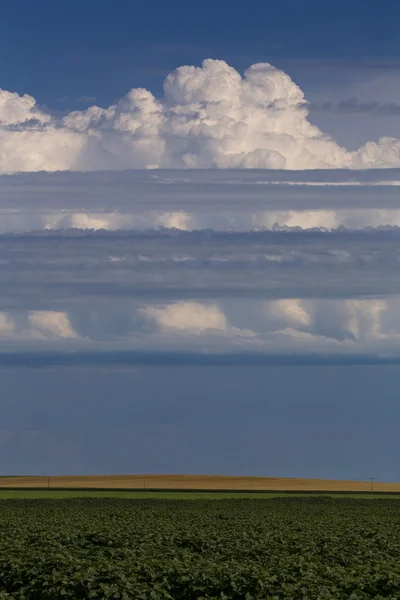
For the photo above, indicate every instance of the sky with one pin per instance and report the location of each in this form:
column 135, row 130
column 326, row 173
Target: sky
column 102, row 50
column 199, row 239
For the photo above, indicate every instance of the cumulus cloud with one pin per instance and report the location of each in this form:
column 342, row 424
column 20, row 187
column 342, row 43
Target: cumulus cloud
column 209, row 117
column 50, row 323
column 186, row 316
column 16, row 109
column 292, row 310
column 36, row 325
column 364, row 317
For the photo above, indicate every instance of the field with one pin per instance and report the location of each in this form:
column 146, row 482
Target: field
column 281, row 548
column 195, row 482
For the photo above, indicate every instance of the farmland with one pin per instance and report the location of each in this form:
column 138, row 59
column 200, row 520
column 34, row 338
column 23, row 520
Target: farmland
column 194, row 482
column 310, row 547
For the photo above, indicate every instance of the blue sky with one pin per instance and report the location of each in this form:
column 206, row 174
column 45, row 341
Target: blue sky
column 200, row 277
column 70, row 49
column 312, row 422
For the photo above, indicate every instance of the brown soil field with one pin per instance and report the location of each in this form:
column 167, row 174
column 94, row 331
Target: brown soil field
column 195, row 482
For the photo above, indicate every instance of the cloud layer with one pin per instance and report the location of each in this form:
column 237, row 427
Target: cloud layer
column 54, row 271
column 209, row 117
column 250, row 297
column 195, row 266
column 141, row 331
column 188, row 200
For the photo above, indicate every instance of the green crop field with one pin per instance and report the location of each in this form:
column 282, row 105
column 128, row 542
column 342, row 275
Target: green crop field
column 280, row 548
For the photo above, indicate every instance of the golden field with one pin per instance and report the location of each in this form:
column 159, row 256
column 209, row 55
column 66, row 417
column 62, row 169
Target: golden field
column 195, row 482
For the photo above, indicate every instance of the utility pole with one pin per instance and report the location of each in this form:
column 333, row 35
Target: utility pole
column 372, row 484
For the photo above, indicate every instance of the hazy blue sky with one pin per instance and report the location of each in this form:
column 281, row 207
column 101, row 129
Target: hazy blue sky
column 277, row 421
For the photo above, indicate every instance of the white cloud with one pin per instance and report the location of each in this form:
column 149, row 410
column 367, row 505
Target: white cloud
column 306, row 219
column 36, row 325
column 15, row 109
column 50, row 324
column 364, row 318
column 192, row 317
column 293, row 310
column 6, row 324
column 210, row 116
column 48, row 149
column 383, row 153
